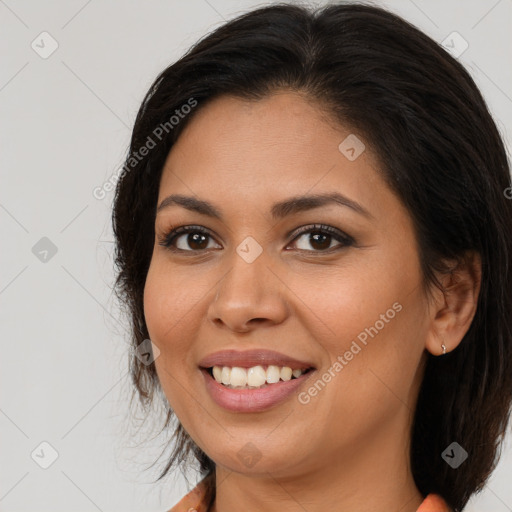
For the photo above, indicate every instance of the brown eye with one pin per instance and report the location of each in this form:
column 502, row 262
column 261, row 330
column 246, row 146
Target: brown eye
column 195, row 241
column 187, row 239
column 320, row 238
column 198, row 239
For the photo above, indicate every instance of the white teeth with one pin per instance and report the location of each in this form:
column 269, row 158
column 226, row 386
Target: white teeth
column 238, row 376
column 273, row 374
column 217, row 373
column 225, row 375
column 286, row 373
column 255, row 377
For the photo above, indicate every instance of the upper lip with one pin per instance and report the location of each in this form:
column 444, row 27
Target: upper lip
column 250, row 358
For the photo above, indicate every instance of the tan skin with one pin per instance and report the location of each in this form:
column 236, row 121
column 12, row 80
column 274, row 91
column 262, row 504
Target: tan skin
column 347, row 449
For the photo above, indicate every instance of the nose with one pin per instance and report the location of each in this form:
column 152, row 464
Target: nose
column 249, row 295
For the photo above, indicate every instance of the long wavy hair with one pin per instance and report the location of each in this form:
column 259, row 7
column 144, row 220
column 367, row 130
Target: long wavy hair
column 439, row 150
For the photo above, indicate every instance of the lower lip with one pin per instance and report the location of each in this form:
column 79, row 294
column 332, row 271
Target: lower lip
column 252, row 400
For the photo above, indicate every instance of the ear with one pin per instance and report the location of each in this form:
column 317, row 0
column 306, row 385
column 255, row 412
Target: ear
column 454, row 308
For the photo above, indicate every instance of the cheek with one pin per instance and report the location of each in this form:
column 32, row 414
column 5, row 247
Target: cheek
column 161, row 317
column 171, row 314
column 374, row 318
column 156, row 301
column 343, row 302
column 168, row 303
column 161, row 320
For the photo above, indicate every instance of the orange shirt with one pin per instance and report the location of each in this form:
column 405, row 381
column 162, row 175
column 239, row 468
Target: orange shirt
column 193, row 502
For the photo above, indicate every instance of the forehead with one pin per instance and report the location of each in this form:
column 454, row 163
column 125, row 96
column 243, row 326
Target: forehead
column 282, row 145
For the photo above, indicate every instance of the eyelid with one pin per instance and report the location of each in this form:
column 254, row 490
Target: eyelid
column 324, row 228
column 168, row 238
column 170, row 235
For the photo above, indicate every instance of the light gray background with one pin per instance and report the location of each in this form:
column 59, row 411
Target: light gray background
column 65, row 126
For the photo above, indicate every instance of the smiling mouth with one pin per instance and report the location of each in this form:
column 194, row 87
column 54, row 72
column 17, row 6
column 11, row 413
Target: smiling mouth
column 256, row 377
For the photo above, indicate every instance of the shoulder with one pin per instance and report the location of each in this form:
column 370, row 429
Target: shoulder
column 434, row 503
column 193, row 501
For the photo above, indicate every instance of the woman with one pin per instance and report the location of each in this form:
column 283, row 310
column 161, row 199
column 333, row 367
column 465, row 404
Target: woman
column 311, row 229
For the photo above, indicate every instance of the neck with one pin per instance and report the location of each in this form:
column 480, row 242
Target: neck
column 369, row 477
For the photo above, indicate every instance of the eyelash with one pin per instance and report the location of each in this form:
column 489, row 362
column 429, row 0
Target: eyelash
column 168, row 239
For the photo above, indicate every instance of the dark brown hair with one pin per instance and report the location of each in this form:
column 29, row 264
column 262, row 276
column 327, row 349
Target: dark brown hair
column 439, row 150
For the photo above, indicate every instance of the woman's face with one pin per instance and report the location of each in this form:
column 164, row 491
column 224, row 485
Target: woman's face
column 354, row 311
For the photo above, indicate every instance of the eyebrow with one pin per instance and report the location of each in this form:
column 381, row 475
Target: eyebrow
column 278, row 211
